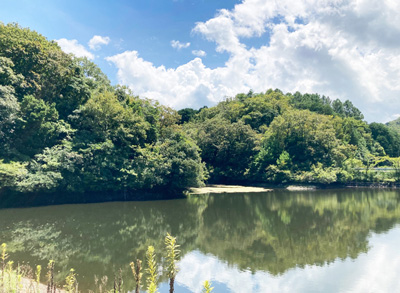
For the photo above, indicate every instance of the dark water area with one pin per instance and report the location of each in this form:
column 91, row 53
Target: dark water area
column 343, row 240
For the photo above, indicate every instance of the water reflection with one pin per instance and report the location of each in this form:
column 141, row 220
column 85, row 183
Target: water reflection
column 376, row 271
column 238, row 240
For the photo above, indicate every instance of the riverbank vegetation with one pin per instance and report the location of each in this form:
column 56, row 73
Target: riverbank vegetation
column 64, row 129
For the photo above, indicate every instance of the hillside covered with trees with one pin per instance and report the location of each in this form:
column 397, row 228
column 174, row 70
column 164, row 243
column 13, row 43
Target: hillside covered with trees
column 65, row 129
column 276, row 137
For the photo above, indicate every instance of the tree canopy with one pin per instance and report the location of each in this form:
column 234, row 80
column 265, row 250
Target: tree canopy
column 65, row 128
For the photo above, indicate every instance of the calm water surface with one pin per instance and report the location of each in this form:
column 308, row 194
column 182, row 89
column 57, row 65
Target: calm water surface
column 314, row 241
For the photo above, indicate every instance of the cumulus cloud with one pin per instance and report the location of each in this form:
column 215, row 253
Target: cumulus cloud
column 96, row 42
column 199, row 53
column 178, row 45
column 72, row 46
column 343, row 49
column 189, row 85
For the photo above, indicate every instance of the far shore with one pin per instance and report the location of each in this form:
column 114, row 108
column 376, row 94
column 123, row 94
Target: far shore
column 20, row 200
column 221, row 188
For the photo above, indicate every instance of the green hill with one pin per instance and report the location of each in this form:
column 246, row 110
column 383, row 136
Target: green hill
column 64, row 129
column 395, row 124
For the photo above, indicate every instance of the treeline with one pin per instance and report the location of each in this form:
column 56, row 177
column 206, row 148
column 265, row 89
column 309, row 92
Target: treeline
column 279, row 138
column 64, row 127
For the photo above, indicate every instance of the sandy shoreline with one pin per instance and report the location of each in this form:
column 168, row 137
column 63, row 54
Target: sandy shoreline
column 227, row 189
column 219, row 188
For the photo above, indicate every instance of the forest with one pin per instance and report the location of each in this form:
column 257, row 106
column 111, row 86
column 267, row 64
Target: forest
column 64, row 129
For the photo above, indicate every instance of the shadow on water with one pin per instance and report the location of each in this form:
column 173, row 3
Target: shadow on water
column 270, row 232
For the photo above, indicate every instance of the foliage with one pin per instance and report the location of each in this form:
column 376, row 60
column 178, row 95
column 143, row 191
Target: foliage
column 388, row 138
column 226, row 148
column 207, row 287
column 65, row 129
column 395, row 162
column 11, row 173
column 151, row 270
column 172, row 254
column 313, row 102
column 137, row 274
column 394, row 125
column 298, row 140
column 187, row 114
column 103, row 118
column 71, row 285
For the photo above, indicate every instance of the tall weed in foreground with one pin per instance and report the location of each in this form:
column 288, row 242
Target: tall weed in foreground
column 51, row 286
column 172, row 254
column 4, row 257
column 38, row 271
column 151, row 270
column 207, row 287
column 11, row 279
column 137, row 274
column 118, row 282
column 71, row 285
column 102, row 286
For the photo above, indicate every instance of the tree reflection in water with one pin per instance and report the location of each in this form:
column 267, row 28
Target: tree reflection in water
column 271, row 232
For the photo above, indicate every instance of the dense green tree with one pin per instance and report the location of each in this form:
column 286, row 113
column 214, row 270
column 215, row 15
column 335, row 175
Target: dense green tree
column 48, row 72
column 312, row 102
column 351, row 111
column 95, row 78
column 395, row 125
column 306, row 139
column 55, row 169
column 187, row 114
column 104, row 118
column 261, row 109
column 38, row 127
column 256, row 110
column 11, row 173
column 171, row 164
column 227, row 148
column 388, row 138
column 346, row 110
column 9, row 108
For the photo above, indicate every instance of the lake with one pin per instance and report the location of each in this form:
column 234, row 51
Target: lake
column 343, row 240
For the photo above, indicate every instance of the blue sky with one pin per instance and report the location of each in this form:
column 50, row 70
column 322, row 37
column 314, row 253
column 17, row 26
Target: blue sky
column 145, row 26
column 194, row 53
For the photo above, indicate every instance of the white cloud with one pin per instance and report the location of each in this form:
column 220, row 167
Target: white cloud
column 72, row 46
column 96, row 42
column 199, row 53
column 347, row 49
column 178, row 45
column 189, row 85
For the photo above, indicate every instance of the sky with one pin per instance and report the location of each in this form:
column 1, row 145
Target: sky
column 187, row 53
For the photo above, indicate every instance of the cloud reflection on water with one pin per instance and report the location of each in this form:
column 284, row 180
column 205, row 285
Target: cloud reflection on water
column 375, row 271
